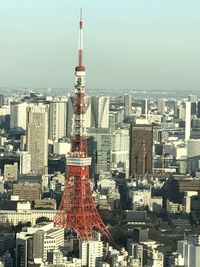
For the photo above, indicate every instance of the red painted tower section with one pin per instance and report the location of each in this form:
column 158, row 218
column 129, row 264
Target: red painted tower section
column 77, row 210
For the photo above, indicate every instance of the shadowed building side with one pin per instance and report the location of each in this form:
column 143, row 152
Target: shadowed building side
column 141, row 144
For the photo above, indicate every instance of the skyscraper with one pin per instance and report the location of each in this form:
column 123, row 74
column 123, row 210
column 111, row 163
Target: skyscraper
column 25, row 162
column 1, row 100
column 120, row 148
column 37, row 137
column 187, row 120
column 189, row 251
column 18, row 115
column 145, row 106
column 141, row 142
column 91, row 253
column 161, row 106
column 198, row 109
column 57, row 119
column 193, row 99
column 127, row 106
column 100, row 144
column 100, row 111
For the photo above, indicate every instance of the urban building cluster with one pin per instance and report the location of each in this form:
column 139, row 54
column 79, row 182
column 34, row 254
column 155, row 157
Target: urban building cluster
column 99, row 181
column 144, row 172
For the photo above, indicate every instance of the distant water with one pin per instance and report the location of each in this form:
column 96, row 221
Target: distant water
column 150, row 94
column 137, row 94
column 155, row 94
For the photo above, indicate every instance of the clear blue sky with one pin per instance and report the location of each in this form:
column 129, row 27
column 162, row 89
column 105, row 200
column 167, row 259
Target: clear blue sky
column 133, row 44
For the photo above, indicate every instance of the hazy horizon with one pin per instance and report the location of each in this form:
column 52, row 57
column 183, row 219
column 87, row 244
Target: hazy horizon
column 127, row 44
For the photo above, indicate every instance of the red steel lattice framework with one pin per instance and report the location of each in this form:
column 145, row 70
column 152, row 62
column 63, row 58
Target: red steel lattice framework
column 77, row 210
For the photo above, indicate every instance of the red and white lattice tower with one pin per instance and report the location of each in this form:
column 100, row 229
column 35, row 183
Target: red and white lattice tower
column 77, row 210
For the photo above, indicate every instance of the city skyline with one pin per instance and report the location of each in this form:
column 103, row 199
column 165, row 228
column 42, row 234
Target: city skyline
column 133, row 45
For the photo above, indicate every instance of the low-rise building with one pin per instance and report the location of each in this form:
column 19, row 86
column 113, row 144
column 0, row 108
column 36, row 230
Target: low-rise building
column 25, row 214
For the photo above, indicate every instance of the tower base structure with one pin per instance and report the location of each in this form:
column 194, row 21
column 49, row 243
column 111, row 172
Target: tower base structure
column 77, row 210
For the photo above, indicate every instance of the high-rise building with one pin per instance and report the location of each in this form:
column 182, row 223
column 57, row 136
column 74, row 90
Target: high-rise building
column 5, row 117
column 57, row 119
column 38, row 244
column 120, row 149
column 177, row 106
column 25, row 162
column 127, row 106
column 187, row 120
column 192, row 98
column 152, row 254
column 1, row 100
column 189, row 251
column 18, row 115
column 145, row 106
column 136, row 251
column 193, row 108
column 100, row 112
column 161, row 106
column 22, row 246
column 141, row 143
column 91, row 253
column 35, row 243
column 198, row 109
column 37, row 138
column 88, row 114
column 100, row 149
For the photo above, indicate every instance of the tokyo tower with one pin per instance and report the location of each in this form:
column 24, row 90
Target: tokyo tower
column 77, row 210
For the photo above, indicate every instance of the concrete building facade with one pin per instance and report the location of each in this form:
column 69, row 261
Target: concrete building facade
column 37, row 138
column 57, row 119
column 100, row 112
column 141, row 144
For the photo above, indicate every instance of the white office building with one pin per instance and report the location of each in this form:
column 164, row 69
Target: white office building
column 187, row 120
column 34, row 243
column 57, row 119
column 25, row 162
column 189, row 251
column 91, row 253
column 25, row 214
column 100, row 112
column 120, row 149
column 18, row 115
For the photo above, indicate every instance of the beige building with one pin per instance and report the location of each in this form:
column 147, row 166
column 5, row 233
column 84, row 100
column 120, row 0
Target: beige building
column 11, row 172
column 100, row 111
column 46, row 203
column 28, row 191
column 18, row 115
column 25, row 162
column 37, row 138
